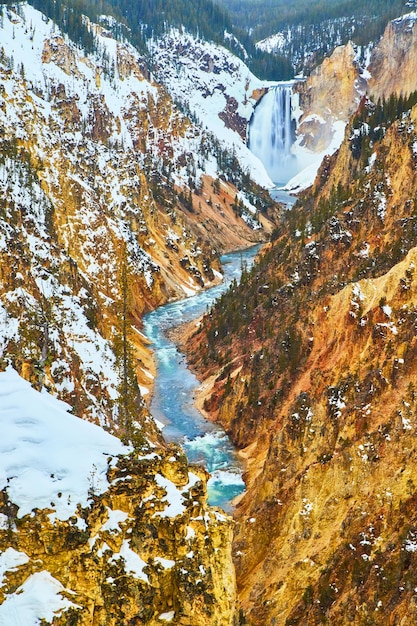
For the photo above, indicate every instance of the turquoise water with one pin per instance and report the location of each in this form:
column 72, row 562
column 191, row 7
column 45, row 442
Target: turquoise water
column 173, row 399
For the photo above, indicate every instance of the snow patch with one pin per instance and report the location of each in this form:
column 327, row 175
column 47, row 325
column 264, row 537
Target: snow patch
column 49, row 459
column 132, row 562
column 10, row 560
column 39, row 598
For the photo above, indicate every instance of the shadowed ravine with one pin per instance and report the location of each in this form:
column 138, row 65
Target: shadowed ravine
column 173, row 397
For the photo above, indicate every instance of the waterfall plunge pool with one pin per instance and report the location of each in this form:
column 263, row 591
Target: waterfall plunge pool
column 172, row 402
column 280, row 195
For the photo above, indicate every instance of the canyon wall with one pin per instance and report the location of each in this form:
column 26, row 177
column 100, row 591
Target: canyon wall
column 329, row 95
column 393, row 62
column 332, row 92
column 112, row 201
column 310, row 366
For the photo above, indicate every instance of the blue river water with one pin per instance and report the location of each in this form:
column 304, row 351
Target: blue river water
column 173, row 398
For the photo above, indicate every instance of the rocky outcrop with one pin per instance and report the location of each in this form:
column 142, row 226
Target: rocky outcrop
column 393, row 65
column 330, row 94
column 56, row 51
column 132, row 542
column 232, row 119
column 187, row 576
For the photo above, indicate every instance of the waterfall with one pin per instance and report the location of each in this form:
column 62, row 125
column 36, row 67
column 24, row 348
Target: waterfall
column 270, row 133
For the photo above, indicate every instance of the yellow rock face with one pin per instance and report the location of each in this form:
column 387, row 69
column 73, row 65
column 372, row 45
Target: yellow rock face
column 331, row 93
column 313, row 375
column 126, row 558
column 393, row 66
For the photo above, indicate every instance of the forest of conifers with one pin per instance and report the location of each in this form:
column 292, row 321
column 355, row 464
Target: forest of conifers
column 142, row 19
column 265, row 17
column 313, row 27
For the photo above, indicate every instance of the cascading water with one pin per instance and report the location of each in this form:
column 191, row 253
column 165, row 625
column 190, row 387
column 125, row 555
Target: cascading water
column 270, row 133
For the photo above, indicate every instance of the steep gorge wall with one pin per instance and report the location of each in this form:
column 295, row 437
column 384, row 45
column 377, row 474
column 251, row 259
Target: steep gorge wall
column 334, row 89
column 313, row 369
column 330, row 94
column 393, row 66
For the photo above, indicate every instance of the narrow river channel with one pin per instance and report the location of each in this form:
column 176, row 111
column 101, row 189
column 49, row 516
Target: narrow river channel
column 173, row 398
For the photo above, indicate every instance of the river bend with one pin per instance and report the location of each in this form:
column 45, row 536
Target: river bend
column 175, row 385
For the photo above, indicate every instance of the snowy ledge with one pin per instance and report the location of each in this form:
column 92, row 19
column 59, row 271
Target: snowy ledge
column 49, row 459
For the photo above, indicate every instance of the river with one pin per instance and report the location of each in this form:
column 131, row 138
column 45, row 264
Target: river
column 280, row 195
column 175, row 386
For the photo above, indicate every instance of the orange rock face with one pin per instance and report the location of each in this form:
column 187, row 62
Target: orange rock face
column 393, row 65
column 312, row 366
column 331, row 93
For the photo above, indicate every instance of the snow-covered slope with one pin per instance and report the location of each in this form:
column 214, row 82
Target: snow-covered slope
column 216, row 86
column 100, row 178
column 49, row 458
